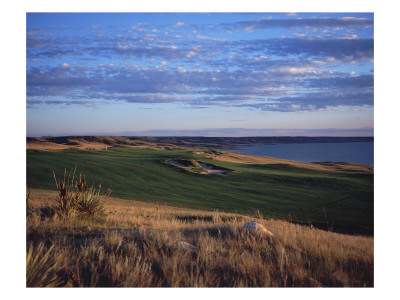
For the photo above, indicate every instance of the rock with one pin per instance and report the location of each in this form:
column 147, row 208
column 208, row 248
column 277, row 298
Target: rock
column 277, row 249
column 187, row 246
column 256, row 227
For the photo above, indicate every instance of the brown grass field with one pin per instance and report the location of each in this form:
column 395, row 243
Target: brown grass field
column 136, row 244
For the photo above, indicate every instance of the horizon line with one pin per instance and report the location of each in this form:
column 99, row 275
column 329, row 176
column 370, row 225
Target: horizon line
column 222, row 132
column 201, row 136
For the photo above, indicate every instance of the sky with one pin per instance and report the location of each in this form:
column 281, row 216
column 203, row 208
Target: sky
column 209, row 74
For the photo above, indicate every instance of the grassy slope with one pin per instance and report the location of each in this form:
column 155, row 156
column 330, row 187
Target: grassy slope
column 279, row 191
column 137, row 245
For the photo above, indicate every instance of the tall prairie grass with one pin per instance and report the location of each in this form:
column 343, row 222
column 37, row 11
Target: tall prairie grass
column 42, row 264
column 138, row 246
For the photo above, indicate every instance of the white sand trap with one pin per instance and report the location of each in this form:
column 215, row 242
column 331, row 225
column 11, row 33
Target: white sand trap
column 210, row 169
column 175, row 163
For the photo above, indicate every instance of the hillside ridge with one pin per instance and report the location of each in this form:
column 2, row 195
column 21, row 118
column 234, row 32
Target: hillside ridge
column 181, row 141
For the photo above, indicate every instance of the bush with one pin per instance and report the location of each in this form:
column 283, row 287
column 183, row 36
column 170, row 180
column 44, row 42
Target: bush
column 77, row 199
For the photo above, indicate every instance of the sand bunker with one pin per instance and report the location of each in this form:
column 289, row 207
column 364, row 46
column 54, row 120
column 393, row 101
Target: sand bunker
column 210, row 169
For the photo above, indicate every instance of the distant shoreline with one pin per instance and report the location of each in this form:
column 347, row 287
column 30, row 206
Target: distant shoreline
column 193, row 141
column 355, row 152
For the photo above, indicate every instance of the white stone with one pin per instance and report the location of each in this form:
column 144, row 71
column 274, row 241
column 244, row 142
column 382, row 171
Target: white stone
column 253, row 226
column 187, row 246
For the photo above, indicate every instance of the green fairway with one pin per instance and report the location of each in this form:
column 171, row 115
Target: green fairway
column 278, row 191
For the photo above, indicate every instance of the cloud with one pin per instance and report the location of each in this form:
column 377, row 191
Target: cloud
column 274, row 91
column 345, row 50
column 299, row 22
column 31, row 102
column 179, row 24
column 205, row 68
column 238, row 132
column 349, row 48
column 315, row 102
column 208, row 38
column 358, row 82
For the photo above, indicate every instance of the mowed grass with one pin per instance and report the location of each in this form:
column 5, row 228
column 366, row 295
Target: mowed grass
column 340, row 200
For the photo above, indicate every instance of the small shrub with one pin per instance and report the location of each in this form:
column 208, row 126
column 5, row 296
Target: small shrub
column 76, row 198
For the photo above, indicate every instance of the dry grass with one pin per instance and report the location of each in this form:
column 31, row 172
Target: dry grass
column 42, row 265
column 137, row 245
column 102, row 143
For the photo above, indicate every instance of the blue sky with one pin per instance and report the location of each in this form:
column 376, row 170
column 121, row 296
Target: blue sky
column 216, row 74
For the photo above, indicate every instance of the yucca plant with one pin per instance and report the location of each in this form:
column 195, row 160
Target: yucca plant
column 41, row 266
column 91, row 202
column 67, row 201
column 76, row 198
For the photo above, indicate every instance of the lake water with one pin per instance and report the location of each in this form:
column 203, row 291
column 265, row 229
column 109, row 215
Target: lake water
column 357, row 152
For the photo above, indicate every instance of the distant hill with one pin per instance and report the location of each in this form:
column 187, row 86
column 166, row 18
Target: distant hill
column 97, row 142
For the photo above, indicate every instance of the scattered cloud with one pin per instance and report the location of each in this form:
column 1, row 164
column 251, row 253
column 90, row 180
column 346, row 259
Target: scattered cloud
column 300, row 23
column 179, row 24
column 200, row 66
column 235, row 132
